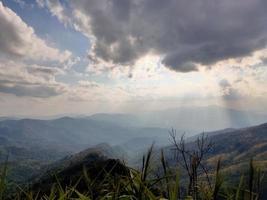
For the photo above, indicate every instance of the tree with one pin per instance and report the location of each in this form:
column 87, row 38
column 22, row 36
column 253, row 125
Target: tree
column 191, row 159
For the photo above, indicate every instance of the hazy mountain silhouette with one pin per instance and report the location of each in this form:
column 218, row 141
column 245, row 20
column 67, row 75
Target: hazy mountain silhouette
column 198, row 119
column 31, row 143
column 190, row 120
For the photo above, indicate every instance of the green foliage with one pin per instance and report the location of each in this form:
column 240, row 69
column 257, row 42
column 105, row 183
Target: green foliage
column 140, row 185
column 3, row 181
column 218, row 181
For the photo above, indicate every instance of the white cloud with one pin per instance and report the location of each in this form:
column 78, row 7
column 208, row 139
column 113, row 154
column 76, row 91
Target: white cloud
column 56, row 9
column 18, row 40
column 90, row 91
column 30, row 80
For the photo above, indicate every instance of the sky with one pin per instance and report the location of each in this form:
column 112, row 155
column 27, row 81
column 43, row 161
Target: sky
column 89, row 56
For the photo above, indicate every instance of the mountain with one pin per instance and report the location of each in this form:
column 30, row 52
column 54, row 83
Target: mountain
column 235, row 148
column 198, row 119
column 33, row 143
column 96, row 161
column 122, row 119
column 189, row 120
column 30, row 144
column 70, row 134
column 97, row 152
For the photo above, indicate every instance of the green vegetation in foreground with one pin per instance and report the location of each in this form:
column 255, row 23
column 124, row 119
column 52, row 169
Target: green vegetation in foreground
column 111, row 179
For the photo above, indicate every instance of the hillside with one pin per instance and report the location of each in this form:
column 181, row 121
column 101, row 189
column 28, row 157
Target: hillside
column 96, row 162
column 69, row 169
column 30, row 144
column 70, row 134
column 234, row 147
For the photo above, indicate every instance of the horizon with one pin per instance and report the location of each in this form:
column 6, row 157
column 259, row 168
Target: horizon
column 77, row 115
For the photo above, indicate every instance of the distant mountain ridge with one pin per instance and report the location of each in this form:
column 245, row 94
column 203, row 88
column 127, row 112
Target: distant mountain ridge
column 32, row 143
column 191, row 119
column 202, row 119
column 70, row 134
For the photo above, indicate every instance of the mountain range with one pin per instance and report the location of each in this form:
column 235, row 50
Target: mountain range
column 235, row 148
column 31, row 144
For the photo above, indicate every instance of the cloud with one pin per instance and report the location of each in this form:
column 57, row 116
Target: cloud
column 35, row 81
column 228, row 91
column 91, row 91
column 56, row 8
column 183, row 33
column 32, row 91
column 88, row 84
column 18, row 40
column 30, row 81
column 264, row 61
column 28, row 64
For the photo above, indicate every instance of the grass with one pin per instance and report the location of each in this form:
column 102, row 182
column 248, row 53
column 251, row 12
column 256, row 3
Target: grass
column 141, row 185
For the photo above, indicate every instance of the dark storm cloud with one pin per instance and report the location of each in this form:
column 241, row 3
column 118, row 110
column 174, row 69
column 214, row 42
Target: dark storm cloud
column 183, row 32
